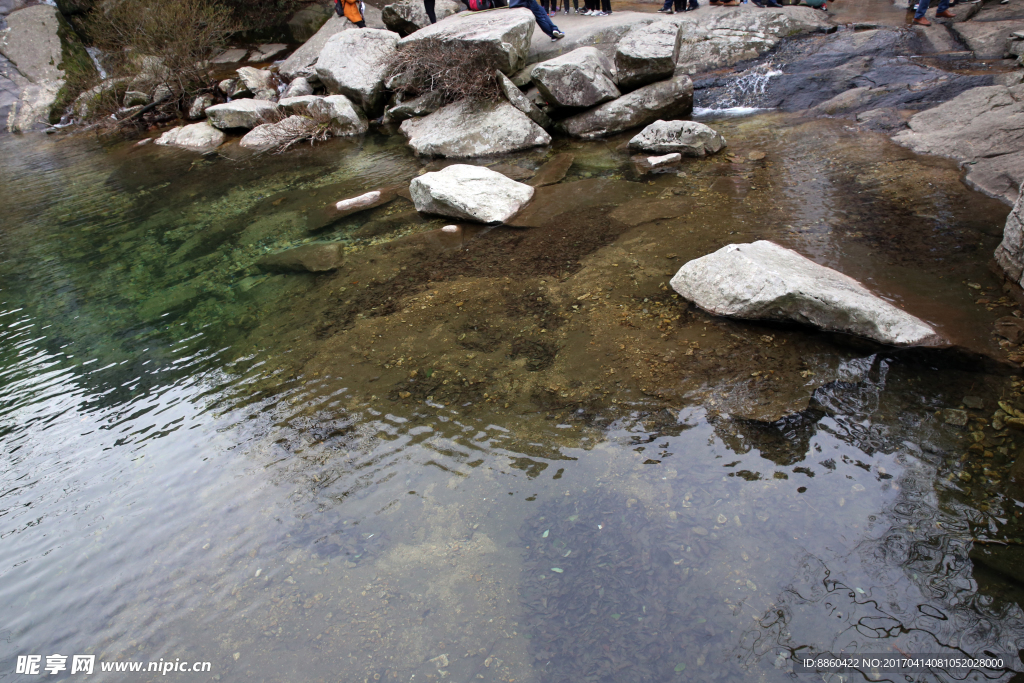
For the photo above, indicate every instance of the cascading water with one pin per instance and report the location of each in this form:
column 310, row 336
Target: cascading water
column 742, row 95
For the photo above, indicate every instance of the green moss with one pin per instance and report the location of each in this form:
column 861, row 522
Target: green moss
column 79, row 72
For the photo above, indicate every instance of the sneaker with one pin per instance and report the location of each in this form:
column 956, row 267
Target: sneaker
column 557, row 35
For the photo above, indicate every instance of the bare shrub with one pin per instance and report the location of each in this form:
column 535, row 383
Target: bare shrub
column 448, row 68
column 304, row 125
column 162, row 43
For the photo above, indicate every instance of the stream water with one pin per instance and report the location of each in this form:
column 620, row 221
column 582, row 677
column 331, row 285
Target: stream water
column 503, row 455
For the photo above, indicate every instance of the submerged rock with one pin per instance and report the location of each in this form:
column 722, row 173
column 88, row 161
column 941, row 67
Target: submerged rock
column 763, row 281
column 494, row 40
column 473, row 129
column 198, row 137
column 581, row 78
column 689, row 138
column 553, row 170
column 469, row 193
column 352, row 63
column 311, row 258
column 663, row 100
column 240, row 113
column 983, row 127
column 647, row 54
column 408, row 16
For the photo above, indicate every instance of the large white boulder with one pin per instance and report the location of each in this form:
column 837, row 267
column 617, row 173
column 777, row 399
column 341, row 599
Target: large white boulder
column 302, row 62
column 647, row 54
column 240, row 113
column 494, row 40
column 581, row 78
column 408, row 16
column 352, row 63
column 669, row 99
column 197, row 137
column 688, row 138
column 470, row 193
column 473, row 129
column 763, row 281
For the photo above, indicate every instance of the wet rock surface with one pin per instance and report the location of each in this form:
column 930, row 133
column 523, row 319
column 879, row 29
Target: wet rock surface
column 469, row 193
column 765, row 281
column 472, row 129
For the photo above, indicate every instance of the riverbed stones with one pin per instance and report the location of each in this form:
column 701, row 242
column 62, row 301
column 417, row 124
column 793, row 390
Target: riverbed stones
column 493, row 40
column 471, row 193
column 554, row 170
column 581, row 78
column 763, row 281
column 669, row 99
column 982, row 128
column 196, row 137
column 521, row 102
column 255, row 79
column 300, row 87
column 319, row 257
column 197, row 109
column 473, row 128
column 302, row 62
column 345, row 118
column 647, row 54
column 1010, row 252
column 408, row 16
column 689, row 138
column 240, row 113
column 297, row 105
column 352, row 63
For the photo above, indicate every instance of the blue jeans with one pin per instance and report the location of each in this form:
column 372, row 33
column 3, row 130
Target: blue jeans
column 922, row 7
column 542, row 16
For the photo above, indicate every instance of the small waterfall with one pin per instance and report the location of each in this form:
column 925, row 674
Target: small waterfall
column 742, row 94
column 94, row 54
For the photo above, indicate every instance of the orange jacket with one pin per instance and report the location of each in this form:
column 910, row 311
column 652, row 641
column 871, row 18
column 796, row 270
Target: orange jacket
column 352, row 10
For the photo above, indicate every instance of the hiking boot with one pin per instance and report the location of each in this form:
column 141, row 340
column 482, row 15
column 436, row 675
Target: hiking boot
column 922, row 22
column 557, row 35
column 945, row 14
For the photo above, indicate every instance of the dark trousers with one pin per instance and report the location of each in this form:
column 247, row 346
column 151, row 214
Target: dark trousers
column 429, row 6
column 576, row 4
column 543, row 20
column 922, row 7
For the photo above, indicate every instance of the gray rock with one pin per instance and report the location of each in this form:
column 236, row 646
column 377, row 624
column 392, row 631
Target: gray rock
column 196, row 137
column 1010, row 252
column 521, row 102
column 663, row 100
column 423, row 105
column 408, row 16
column 266, row 52
column 345, row 117
column 198, row 108
column 647, row 54
column 496, row 40
column 352, row 63
column 646, row 163
column 299, row 87
column 162, row 93
column 319, row 257
column 255, row 79
column 987, row 39
column 600, row 32
column 227, row 86
column 973, row 402
column 230, row 56
column 297, row 105
column 763, row 281
column 955, row 418
column 240, row 113
column 134, row 98
column 470, row 193
column 302, row 61
column 689, row 138
column 473, row 129
column 983, row 128
column 268, row 136
column 267, row 95
column 90, row 102
column 305, row 23
column 581, row 78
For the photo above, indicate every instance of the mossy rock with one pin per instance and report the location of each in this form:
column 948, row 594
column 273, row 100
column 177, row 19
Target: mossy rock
column 79, row 71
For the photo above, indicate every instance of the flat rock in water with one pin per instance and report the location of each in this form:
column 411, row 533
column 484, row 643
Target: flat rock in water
column 581, row 78
column 688, row 138
column 763, row 281
column 646, row 163
column 197, row 137
column 553, row 201
column 662, row 100
column 469, row 193
column 310, row 258
column 473, row 129
column 495, row 40
column 553, row 170
column 346, row 207
column 240, row 113
column 512, row 171
column 352, row 63
column 408, row 16
column 983, row 127
column 640, row 211
column 647, row 54
column 302, row 61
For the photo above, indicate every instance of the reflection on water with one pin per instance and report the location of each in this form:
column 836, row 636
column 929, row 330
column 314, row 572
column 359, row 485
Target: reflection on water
column 516, row 457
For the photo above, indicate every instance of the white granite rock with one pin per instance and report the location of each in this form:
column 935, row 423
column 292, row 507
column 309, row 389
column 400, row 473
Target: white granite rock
column 197, row 137
column 689, row 138
column 469, row 193
column 352, row 63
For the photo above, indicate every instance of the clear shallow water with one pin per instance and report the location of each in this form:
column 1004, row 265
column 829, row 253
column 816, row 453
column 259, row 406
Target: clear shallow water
column 205, row 462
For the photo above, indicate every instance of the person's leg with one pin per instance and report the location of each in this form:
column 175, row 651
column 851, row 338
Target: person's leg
column 541, row 15
column 606, row 6
column 429, row 6
column 666, row 7
column 922, row 7
column 943, row 10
